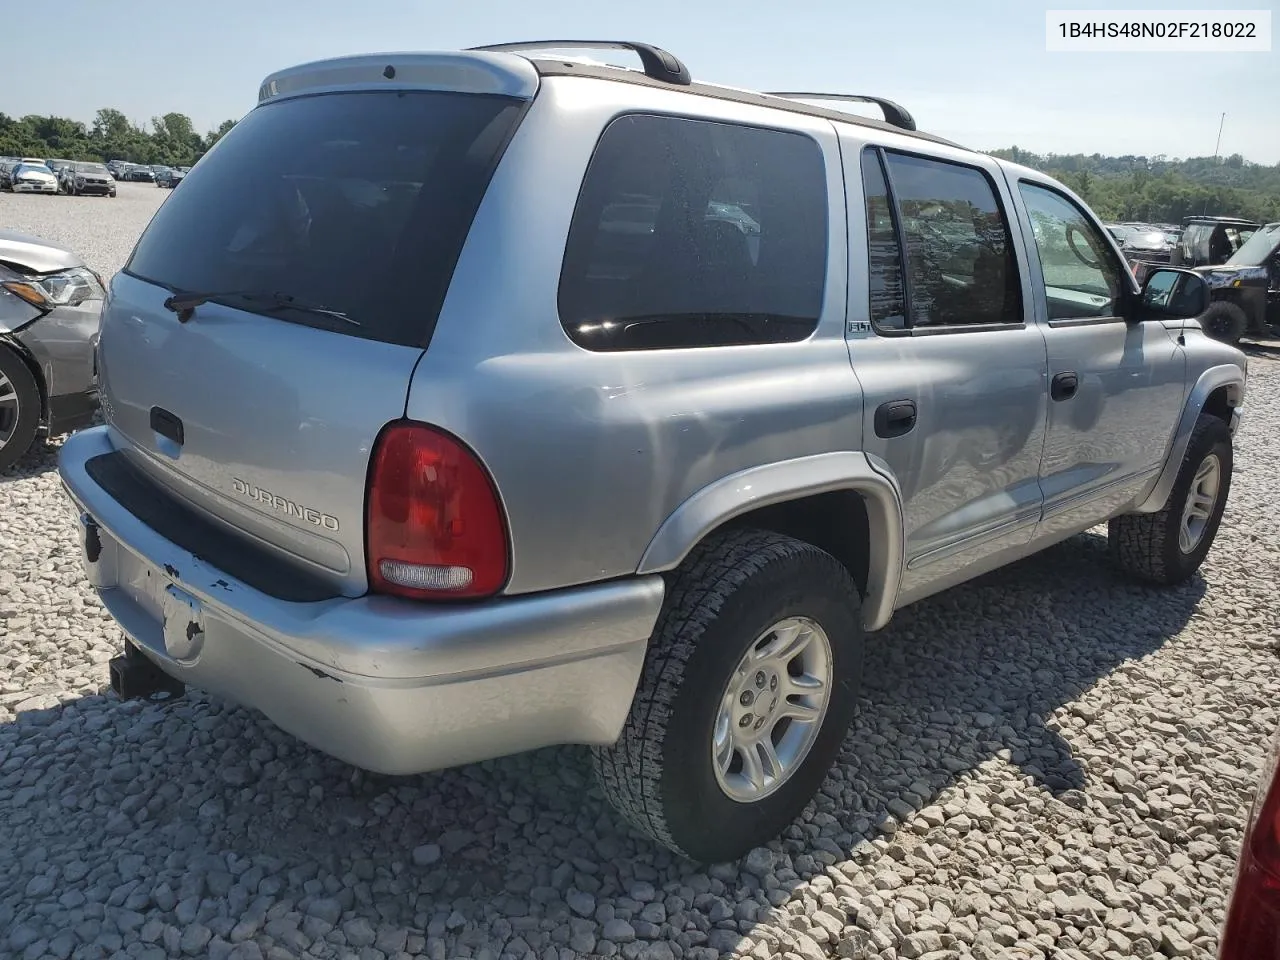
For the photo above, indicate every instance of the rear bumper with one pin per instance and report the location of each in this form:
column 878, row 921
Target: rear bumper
column 388, row 685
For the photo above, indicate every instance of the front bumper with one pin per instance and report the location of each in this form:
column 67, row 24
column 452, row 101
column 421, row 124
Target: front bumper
column 35, row 188
column 388, row 685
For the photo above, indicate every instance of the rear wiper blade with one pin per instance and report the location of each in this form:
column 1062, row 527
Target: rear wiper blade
column 184, row 304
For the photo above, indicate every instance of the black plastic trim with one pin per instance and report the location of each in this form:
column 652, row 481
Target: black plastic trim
column 71, row 411
column 658, row 63
column 894, row 113
column 181, row 525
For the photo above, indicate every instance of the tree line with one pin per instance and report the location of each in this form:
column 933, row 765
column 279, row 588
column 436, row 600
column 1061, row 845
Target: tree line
column 171, row 139
column 1163, row 190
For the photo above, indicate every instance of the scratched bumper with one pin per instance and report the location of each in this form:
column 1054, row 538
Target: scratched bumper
column 387, row 685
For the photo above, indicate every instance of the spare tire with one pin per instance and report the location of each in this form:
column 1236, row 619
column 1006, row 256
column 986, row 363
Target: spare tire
column 1224, row 321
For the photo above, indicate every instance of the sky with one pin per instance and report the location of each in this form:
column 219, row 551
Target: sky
column 974, row 71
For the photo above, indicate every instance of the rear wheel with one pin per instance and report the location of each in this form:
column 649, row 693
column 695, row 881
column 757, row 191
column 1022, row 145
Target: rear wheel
column 19, row 408
column 747, row 692
column 1224, row 321
column 1167, row 547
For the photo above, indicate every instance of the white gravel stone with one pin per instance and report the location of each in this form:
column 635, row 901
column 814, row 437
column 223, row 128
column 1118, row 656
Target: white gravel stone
column 1048, row 762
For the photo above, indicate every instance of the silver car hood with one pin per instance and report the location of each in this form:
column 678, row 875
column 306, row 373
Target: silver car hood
column 35, row 255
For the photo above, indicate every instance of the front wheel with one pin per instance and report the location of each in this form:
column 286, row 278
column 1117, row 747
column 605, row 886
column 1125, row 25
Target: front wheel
column 19, row 408
column 1167, row 547
column 747, row 692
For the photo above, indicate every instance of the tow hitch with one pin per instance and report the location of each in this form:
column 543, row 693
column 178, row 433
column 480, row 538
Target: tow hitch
column 133, row 677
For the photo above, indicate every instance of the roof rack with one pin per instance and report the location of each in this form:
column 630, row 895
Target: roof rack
column 894, row 113
column 657, row 63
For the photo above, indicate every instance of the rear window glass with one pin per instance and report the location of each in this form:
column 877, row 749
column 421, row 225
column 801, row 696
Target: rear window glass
column 358, row 203
column 691, row 233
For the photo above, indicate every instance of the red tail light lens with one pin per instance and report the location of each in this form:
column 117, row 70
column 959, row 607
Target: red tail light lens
column 1252, row 930
column 434, row 528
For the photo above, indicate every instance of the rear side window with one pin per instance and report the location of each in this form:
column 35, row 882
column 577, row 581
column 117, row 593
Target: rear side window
column 691, row 233
column 355, row 202
column 959, row 262
column 884, row 253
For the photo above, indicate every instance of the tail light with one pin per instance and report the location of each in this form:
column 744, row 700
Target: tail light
column 1252, row 930
column 434, row 527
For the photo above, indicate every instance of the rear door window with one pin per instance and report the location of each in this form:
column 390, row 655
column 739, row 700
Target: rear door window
column 960, row 265
column 355, row 202
column 692, row 233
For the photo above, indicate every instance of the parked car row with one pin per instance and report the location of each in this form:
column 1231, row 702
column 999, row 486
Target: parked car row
column 79, row 177
column 159, row 174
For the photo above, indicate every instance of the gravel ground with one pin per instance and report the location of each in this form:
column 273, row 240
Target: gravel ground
column 1047, row 763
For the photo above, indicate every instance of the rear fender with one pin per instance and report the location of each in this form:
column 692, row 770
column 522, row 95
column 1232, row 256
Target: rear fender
column 773, row 483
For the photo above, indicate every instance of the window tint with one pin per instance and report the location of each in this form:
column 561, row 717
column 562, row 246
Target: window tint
column 884, row 254
column 960, row 263
column 356, row 202
column 689, row 233
column 1081, row 272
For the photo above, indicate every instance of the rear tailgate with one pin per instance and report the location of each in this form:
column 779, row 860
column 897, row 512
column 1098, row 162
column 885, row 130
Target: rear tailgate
column 312, row 249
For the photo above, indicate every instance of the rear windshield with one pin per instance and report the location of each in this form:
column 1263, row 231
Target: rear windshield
column 358, row 203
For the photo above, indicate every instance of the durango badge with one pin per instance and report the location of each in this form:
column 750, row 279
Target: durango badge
column 284, row 505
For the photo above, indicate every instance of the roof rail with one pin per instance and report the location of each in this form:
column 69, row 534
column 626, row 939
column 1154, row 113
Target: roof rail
column 657, row 63
column 894, row 114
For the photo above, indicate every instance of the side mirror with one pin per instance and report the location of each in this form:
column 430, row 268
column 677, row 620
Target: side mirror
column 1173, row 294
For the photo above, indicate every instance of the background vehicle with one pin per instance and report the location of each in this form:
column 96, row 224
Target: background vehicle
column 139, row 174
column 6, row 169
column 90, row 179
column 1211, row 240
column 32, row 178
column 643, row 277
column 56, row 167
column 170, row 177
column 1252, row 928
column 49, row 309
column 1149, row 243
column 1245, row 290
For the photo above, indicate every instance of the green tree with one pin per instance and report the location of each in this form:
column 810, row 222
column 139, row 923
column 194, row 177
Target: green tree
column 215, row 135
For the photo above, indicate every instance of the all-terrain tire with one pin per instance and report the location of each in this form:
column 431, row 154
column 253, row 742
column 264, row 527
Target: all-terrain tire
column 733, row 587
column 19, row 408
column 1146, row 545
column 1224, row 321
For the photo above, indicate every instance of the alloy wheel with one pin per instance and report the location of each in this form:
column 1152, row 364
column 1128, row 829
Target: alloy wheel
column 9, row 409
column 1201, row 499
column 772, row 709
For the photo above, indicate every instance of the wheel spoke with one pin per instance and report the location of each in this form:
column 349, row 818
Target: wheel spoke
column 752, row 768
column 802, row 712
column 1185, row 540
column 724, row 745
column 788, row 642
column 769, row 758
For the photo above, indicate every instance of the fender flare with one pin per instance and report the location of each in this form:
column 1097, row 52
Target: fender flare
column 1222, row 375
column 786, row 480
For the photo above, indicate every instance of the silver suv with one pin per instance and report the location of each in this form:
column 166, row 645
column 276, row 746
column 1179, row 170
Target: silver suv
column 461, row 404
